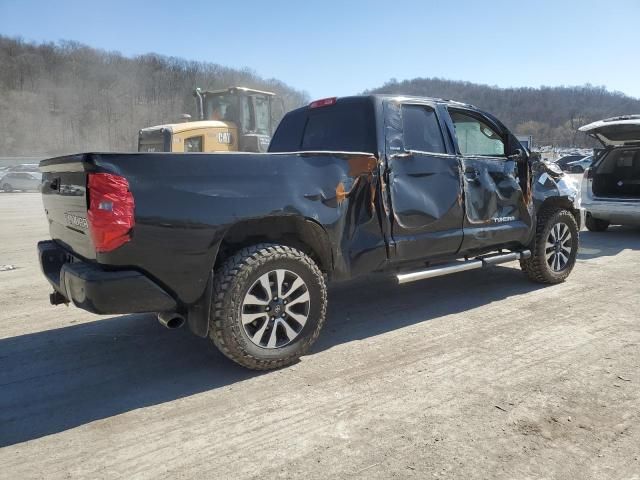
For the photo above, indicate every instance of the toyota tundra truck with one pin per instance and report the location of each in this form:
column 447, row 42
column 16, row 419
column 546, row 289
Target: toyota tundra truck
column 240, row 246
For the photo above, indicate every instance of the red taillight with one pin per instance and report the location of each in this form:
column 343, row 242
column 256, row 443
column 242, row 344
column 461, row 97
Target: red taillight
column 111, row 211
column 325, row 102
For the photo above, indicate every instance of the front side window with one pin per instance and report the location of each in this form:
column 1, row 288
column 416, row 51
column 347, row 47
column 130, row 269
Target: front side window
column 421, row 129
column 476, row 137
column 193, row 144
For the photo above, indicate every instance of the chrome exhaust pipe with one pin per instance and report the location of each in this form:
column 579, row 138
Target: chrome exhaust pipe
column 171, row 320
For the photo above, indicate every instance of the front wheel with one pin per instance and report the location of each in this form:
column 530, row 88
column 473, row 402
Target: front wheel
column 269, row 304
column 7, row 187
column 555, row 249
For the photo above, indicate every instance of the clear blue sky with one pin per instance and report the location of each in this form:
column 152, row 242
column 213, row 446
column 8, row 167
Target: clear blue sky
column 341, row 47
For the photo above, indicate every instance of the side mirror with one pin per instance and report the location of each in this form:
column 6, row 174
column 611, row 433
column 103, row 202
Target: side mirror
column 518, row 155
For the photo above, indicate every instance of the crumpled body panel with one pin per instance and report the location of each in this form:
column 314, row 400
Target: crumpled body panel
column 492, row 192
column 185, row 202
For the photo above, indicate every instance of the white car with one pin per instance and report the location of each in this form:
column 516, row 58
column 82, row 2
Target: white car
column 611, row 187
column 579, row 166
column 20, row 181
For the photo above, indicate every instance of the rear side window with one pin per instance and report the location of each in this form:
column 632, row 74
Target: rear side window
column 347, row 126
column 421, row 129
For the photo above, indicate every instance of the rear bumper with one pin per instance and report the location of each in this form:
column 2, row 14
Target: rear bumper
column 96, row 290
column 618, row 212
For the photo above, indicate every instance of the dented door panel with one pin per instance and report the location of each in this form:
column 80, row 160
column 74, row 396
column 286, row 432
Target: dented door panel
column 427, row 205
column 495, row 208
column 425, row 195
column 492, row 191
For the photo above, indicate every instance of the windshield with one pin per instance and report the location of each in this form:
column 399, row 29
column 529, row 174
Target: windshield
column 221, row 107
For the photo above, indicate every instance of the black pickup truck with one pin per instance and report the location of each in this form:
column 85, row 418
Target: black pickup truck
column 241, row 245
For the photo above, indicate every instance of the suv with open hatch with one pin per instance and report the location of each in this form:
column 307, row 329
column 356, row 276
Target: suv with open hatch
column 611, row 187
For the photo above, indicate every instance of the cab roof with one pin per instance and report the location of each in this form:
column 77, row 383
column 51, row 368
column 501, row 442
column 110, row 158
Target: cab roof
column 181, row 127
column 391, row 97
column 402, row 98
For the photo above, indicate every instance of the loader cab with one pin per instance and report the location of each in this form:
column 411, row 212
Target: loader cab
column 233, row 119
column 250, row 111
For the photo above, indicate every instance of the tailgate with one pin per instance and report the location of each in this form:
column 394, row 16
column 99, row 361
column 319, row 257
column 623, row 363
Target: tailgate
column 616, row 131
column 64, row 182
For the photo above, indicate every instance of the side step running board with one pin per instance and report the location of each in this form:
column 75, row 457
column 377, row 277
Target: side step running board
column 447, row 268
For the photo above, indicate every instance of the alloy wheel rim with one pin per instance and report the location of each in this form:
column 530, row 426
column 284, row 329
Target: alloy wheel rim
column 275, row 309
column 558, row 247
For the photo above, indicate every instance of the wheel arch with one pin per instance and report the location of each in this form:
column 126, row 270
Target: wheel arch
column 560, row 202
column 293, row 231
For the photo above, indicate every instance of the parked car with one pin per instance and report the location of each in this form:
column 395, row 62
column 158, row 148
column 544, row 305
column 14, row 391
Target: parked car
column 20, row 181
column 579, row 166
column 611, row 187
column 24, row 167
column 567, row 159
column 241, row 244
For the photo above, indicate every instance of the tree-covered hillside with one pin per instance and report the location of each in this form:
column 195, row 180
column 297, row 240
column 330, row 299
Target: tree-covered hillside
column 66, row 97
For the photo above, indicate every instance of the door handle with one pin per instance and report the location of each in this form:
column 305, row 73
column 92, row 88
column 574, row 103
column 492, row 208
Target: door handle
column 471, row 173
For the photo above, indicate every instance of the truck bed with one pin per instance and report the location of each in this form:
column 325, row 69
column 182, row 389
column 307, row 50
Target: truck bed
column 185, row 202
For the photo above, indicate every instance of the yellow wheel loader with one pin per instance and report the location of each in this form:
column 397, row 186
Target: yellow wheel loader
column 230, row 120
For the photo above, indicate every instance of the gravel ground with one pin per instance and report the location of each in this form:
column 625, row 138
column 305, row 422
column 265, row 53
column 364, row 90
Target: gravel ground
column 476, row 375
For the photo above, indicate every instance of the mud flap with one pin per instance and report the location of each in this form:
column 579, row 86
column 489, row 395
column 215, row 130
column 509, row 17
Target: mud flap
column 198, row 317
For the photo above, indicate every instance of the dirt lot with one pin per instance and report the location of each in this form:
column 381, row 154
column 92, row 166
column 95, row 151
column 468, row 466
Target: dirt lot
column 476, row 375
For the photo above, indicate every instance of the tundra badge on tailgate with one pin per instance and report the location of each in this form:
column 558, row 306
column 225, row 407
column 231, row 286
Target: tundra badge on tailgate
column 76, row 220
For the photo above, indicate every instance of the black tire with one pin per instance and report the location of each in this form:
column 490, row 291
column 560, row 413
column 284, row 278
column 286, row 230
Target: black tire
column 595, row 224
column 7, row 187
column 537, row 267
column 233, row 282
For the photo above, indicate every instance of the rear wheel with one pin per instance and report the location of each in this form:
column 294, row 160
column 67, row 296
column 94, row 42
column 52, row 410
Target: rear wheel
column 269, row 304
column 7, row 187
column 595, row 224
column 555, row 249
